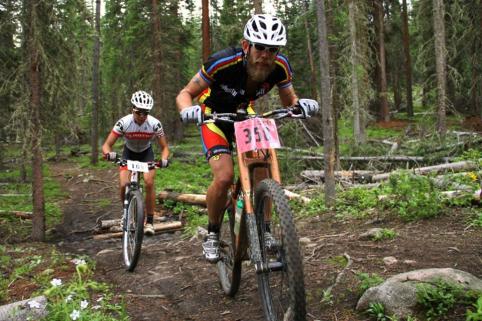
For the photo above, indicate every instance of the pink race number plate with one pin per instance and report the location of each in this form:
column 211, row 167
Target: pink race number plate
column 256, row 133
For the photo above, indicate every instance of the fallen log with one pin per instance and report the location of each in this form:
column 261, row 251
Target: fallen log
column 291, row 195
column 21, row 214
column 356, row 175
column 158, row 227
column 457, row 166
column 200, row 199
column 195, row 199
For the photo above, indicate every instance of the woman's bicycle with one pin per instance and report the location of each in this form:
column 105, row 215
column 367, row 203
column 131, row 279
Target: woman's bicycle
column 257, row 205
column 133, row 212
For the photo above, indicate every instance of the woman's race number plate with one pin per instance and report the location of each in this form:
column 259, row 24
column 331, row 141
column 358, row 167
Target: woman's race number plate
column 137, row 166
column 256, row 133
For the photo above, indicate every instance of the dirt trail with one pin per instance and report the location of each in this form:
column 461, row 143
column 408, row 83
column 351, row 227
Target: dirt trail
column 172, row 281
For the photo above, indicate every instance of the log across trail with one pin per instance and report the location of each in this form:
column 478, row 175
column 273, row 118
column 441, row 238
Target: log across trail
column 200, row 199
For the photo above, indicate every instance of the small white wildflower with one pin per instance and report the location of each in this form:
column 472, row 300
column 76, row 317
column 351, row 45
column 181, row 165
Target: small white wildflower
column 100, row 299
column 78, row 262
column 96, row 307
column 84, row 304
column 56, row 282
column 75, row 315
column 33, row 304
column 68, row 298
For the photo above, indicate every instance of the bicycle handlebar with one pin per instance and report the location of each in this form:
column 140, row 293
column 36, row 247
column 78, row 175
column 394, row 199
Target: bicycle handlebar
column 123, row 162
column 292, row 112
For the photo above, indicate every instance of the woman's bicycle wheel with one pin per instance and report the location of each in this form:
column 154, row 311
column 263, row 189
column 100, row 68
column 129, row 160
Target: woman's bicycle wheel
column 134, row 231
column 282, row 288
column 229, row 266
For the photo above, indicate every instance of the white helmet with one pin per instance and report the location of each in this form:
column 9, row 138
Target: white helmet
column 142, row 100
column 265, row 29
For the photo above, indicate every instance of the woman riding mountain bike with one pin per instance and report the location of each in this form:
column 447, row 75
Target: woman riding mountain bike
column 139, row 129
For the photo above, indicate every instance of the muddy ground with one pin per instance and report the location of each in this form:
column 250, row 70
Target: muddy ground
column 172, row 281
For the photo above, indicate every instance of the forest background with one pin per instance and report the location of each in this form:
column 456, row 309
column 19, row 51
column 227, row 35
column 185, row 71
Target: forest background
column 68, row 72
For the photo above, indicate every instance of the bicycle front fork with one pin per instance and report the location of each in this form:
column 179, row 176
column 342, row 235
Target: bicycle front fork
column 260, row 265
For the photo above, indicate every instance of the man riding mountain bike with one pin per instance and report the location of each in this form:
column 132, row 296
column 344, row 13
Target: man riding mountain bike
column 138, row 129
column 229, row 80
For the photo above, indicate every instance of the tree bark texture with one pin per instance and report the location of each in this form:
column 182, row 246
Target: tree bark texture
column 157, row 63
column 95, row 87
column 408, row 59
column 258, row 6
column 38, row 220
column 441, row 64
column 314, row 92
column 383, row 93
column 326, row 105
column 205, row 30
column 358, row 126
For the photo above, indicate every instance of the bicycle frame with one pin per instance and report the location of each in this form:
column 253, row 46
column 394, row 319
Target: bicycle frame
column 134, row 184
column 249, row 162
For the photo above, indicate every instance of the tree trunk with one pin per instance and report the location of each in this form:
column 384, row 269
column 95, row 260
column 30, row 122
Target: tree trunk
column 157, row 63
column 258, row 6
column 383, row 99
column 38, row 220
column 408, row 59
column 95, row 88
column 397, row 98
column 335, row 97
column 441, row 62
column 205, row 30
column 314, row 92
column 358, row 126
column 326, row 105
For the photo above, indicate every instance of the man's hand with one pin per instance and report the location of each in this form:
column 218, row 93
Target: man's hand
column 111, row 156
column 191, row 114
column 308, row 107
column 163, row 163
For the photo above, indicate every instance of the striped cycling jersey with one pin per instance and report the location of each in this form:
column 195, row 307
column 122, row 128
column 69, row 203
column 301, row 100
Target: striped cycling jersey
column 138, row 137
column 225, row 72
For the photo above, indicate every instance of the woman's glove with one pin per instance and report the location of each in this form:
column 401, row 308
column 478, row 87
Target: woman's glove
column 111, row 156
column 163, row 163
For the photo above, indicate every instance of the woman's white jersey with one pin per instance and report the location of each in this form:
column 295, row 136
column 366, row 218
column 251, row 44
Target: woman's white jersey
column 138, row 137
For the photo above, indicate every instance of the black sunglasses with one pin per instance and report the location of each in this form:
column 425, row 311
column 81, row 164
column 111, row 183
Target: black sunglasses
column 260, row 47
column 141, row 112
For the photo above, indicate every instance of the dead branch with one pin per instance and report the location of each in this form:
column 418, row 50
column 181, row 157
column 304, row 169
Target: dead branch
column 308, row 132
column 291, row 195
column 195, row 199
column 158, row 227
column 457, row 166
column 200, row 199
column 341, row 274
column 21, row 214
column 355, row 175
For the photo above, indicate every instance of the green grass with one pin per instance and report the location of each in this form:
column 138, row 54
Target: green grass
column 385, row 234
column 66, row 281
column 53, row 194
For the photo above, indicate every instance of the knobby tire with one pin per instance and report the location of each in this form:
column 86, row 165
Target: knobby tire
column 133, row 234
column 282, row 292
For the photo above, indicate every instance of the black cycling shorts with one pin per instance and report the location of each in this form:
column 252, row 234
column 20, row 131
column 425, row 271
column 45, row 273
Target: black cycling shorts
column 145, row 156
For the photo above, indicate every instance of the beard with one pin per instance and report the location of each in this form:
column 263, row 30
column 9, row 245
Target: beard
column 259, row 70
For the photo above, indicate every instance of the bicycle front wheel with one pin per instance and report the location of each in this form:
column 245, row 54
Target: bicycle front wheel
column 133, row 230
column 282, row 286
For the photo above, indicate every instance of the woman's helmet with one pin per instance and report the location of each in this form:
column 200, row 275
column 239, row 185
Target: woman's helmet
column 142, row 100
column 265, row 29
